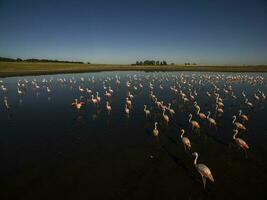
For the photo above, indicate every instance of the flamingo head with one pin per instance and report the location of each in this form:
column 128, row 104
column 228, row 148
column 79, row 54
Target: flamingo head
column 182, row 131
column 195, row 154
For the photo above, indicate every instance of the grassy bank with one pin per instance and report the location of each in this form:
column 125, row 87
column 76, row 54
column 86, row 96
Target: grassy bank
column 27, row 68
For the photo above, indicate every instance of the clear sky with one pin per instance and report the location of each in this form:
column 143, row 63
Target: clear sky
column 122, row 31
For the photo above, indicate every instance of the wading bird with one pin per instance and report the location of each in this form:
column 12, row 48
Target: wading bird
column 77, row 105
column 203, row 170
column 185, row 140
column 165, row 117
column 240, row 142
column 155, row 130
column 238, row 124
column 194, row 124
column 147, row 112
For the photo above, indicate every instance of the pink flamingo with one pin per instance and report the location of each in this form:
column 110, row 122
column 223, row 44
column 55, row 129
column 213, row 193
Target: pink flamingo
column 203, row 170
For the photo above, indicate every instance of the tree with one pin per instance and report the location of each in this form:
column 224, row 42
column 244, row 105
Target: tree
column 137, row 63
column 164, row 62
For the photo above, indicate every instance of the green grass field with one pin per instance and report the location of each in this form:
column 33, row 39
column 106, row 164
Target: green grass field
column 26, row 68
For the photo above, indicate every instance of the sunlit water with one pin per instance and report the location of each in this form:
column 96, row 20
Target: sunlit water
column 49, row 150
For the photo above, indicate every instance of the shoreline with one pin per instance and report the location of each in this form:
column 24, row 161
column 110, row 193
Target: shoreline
column 11, row 69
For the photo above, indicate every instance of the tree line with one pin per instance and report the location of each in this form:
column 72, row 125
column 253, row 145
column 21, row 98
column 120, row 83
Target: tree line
column 188, row 63
column 151, row 62
column 38, row 60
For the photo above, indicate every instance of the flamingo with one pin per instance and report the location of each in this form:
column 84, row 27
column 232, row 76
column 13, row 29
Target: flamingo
column 201, row 115
column 98, row 98
column 130, row 95
column 108, row 94
column 108, row 107
column 165, row 117
column 48, row 89
column 110, row 90
column 117, row 81
column 170, row 110
column 203, row 170
column 248, row 103
column 128, row 102
column 162, row 105
column 127, row 110
column 219, row 110
column 158, row 103
column 238, row 124
column 8, row 106
column 77, row 104
column 256, row 97
column 240, row 142
column 244, row 117
column 81, row 89
column 19, row 91
column 194, row 124
column 155, row 130
column 147, row 112
column 185, row 140
column 94, row 100
column 89, row 91
column 211, row 120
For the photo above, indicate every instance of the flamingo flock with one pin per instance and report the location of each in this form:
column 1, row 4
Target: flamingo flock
column 167, row 97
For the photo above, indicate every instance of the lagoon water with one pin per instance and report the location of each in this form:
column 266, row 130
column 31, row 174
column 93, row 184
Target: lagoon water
column 49, row 150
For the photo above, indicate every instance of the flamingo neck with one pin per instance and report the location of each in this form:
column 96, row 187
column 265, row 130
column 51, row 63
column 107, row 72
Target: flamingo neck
column 190, row 118
column 198, row 110
column 234, row 136
column 234, row 119
column 195, row 161
column 182, row 134
column 208, row 115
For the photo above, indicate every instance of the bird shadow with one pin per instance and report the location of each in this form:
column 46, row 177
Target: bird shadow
column 180, row 163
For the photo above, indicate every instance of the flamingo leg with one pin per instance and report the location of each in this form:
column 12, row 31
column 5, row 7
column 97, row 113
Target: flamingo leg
column 198, row 131
column 204, row 181
column 246, row 155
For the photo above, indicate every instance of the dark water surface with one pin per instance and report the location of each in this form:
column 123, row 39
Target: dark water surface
column 49, row 150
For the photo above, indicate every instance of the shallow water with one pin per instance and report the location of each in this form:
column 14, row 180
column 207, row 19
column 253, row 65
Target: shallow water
column 49, row 150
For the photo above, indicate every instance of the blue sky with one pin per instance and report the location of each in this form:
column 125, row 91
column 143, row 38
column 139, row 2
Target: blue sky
column 121, row 31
